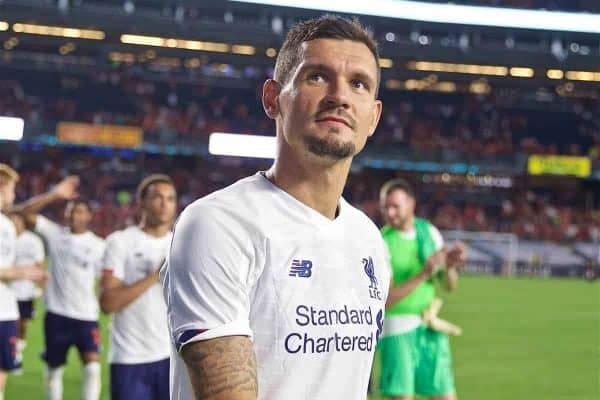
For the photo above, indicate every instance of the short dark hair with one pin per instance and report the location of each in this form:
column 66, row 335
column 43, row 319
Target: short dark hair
column 325, row 27
column 396, row 184
column 142, row 189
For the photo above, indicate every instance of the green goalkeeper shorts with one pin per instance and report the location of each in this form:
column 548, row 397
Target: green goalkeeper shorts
column 416, row 363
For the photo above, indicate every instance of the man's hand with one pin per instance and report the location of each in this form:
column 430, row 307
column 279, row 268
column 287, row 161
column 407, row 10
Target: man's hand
column 67, row 188
column 434, row 262
column 456, row 255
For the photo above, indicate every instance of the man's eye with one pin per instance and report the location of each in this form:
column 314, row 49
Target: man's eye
column 316, row 77
column 357, row 83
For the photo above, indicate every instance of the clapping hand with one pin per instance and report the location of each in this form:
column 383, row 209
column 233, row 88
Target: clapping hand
column 456, row 256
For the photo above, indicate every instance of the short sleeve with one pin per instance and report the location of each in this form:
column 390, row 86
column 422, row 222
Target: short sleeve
column 437, row 237
column 112, row 261
column 48, row 229
column 205, row 277
column 39, row 255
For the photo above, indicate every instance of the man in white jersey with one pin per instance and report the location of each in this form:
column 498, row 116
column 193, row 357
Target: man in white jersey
column 139, row 336
column 275, row 285
column 29, row 251
column 9, row 312
column 71, row 305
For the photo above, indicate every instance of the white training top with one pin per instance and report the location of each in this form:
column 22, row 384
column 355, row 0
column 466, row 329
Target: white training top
column 252, row 260
column 30, row 251
column 8, row 243
column 74, row 267
column 139, row 332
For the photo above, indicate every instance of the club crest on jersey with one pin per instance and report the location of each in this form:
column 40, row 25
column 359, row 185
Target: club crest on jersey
column 301, row 268
column 369, row 268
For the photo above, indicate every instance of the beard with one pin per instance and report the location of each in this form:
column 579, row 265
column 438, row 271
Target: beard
column 329, row 148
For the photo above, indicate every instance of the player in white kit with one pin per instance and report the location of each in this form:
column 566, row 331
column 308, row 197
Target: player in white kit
column 276, row 286
column 71, row 304
column 9, row 312
column 139, row 336
column 29, row 251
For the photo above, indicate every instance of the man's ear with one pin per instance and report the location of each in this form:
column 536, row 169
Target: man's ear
column 375, row 117
column 270, row 97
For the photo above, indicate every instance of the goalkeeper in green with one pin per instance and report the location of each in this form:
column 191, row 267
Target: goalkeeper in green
column 415, row 353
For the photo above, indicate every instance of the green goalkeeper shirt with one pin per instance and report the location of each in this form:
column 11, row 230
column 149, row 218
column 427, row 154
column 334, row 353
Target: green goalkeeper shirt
column 408, row 252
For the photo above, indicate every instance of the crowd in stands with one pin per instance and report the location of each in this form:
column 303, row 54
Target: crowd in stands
column 427, row 124
column 550, row 215
column 109, row 182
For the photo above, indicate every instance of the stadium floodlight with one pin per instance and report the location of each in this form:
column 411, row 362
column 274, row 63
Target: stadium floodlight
column 11, row 128
column 231, row 144
column 60, row 31
column 452, row 13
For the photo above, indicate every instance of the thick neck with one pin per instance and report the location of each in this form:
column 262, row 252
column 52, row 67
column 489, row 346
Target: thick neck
column 154, row 229
column 319, row 185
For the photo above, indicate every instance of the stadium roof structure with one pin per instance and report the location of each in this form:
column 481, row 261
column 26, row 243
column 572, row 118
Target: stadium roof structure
column 239, row 39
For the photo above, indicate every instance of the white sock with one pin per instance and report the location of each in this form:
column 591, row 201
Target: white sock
column 90, row 389
column 21, row 343
column 54, row 383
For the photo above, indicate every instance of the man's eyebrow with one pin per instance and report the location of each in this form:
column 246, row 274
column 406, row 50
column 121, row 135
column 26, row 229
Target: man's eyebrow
column 365, row 77
column 315, row 66
column 358, row 73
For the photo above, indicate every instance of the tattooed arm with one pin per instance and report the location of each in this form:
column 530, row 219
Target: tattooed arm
column 222, row 368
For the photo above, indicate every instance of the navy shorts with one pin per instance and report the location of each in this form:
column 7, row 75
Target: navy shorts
column 148, row 381
column 26, row 310
column 61, row 333
column 8, row 346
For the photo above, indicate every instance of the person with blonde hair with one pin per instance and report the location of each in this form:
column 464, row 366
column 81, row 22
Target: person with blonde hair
column 9, row 311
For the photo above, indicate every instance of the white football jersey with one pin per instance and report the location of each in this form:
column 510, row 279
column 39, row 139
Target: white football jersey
column 30, row 251
column 252, row 260
column 139, row 332
column 74, row 268
column 8, row 244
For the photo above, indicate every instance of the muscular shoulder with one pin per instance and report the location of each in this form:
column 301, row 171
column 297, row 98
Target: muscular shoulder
column 236, row 207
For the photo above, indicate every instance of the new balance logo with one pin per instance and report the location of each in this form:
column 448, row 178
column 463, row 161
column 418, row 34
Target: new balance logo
column 301, row 268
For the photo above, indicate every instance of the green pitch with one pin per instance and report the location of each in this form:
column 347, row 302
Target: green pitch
column 523, row 339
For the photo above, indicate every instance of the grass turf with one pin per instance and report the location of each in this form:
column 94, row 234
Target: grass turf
column 523, row 339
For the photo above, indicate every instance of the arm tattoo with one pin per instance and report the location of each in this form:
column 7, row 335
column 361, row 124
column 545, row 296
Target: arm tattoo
column 222, row 368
